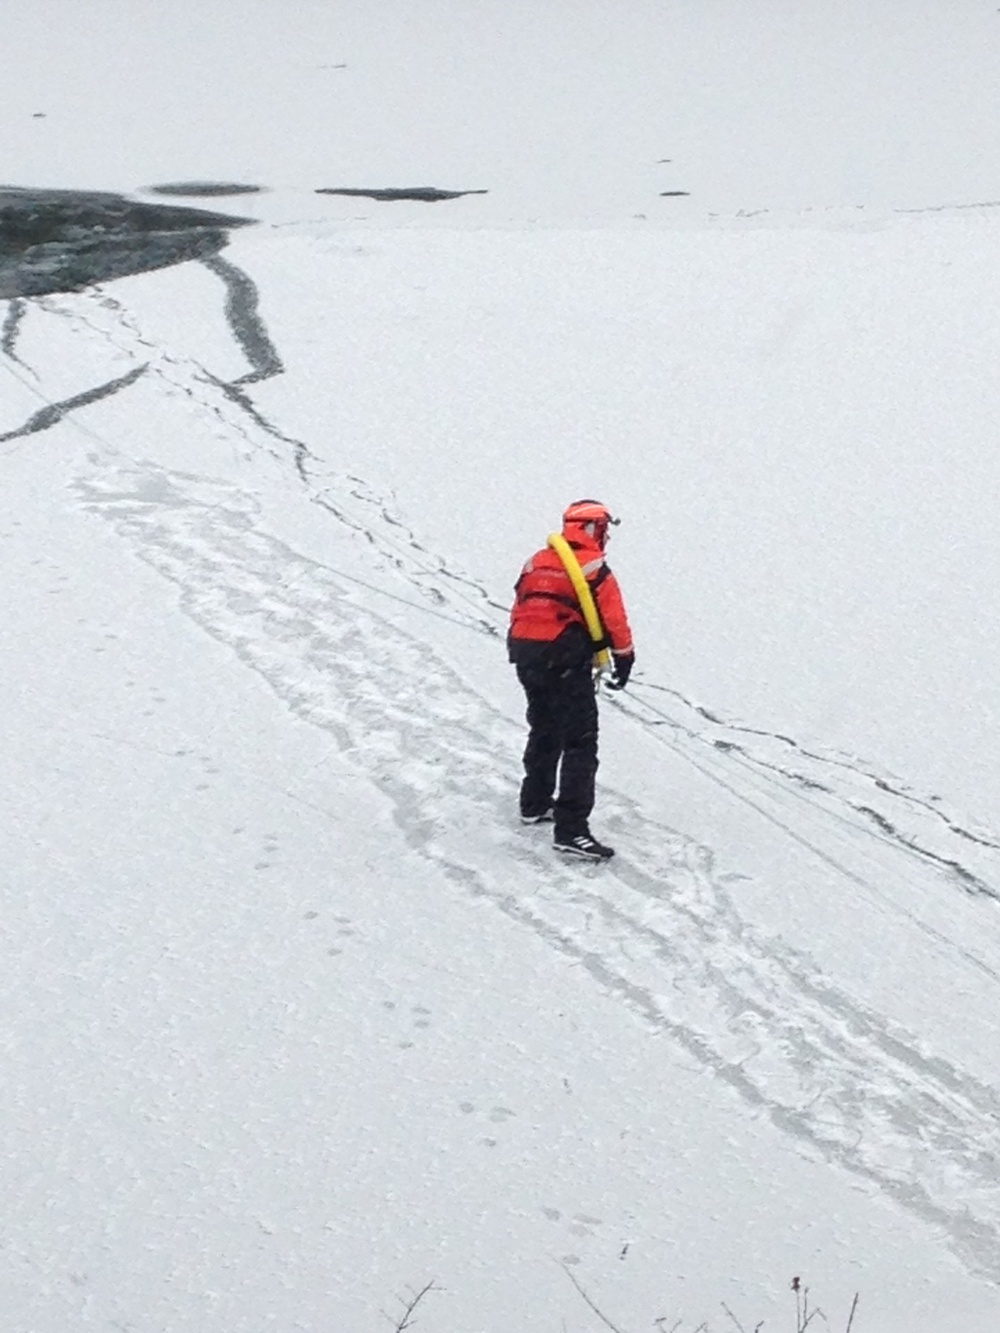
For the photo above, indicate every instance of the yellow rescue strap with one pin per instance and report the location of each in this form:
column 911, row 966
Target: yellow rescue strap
column 565, row 552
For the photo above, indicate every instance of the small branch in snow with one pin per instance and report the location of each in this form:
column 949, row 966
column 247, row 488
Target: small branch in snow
column 803, row 1315
column 733, row 1317
column 600, row 1313
column 406, row 1319
column 756, row 1329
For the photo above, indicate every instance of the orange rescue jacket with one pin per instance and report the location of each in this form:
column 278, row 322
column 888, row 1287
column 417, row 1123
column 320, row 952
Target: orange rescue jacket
column 546, row 621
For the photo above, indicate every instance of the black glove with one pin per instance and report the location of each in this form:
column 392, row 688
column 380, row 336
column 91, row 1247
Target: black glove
column 623, row 669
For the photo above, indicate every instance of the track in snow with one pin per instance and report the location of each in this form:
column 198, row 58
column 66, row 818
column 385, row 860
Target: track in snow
column 656, row 928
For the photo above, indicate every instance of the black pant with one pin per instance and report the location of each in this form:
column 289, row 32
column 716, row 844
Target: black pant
column 562, row 722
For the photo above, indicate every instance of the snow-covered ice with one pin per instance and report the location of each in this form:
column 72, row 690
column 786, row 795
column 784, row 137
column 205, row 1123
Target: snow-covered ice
column 297, row 1018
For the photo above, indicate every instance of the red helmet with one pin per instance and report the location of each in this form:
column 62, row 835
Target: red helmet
column 590, row 518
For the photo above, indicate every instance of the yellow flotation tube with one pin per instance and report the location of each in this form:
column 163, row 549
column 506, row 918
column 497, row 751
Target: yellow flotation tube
column 565, row 552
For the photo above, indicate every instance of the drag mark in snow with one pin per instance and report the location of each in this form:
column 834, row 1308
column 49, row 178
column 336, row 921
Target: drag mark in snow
column 656, row 928
column 53, row 413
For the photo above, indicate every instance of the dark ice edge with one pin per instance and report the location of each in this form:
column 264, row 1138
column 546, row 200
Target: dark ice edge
column 204, row 189
column 425, row 194
column 66, row 240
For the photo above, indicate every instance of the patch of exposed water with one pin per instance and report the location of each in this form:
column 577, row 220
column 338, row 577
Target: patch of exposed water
column 65, row 240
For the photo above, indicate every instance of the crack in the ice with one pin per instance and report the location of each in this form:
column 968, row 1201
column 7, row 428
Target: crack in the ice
column 242, row 312
column 13, row 319
column 250, row 333
column 881, row 823
column 176, row 377
column 401, row 563
column 852, row 766
column 244, row 319
column 234, row 392
column 248, row 328
column 52, row 413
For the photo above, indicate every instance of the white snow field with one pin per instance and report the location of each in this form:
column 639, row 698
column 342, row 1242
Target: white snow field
column 299, row 1024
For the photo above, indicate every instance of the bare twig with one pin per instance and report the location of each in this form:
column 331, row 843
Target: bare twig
column 815, row 1314
column 797, row 1288
column 809, row 1315
column 850, row 1317
column 406, row 1319
column 733, row 1317
column 803, row 1315
column 600, row 1313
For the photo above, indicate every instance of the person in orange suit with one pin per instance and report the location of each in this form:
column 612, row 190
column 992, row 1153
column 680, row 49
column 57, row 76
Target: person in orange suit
column 553, row 652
